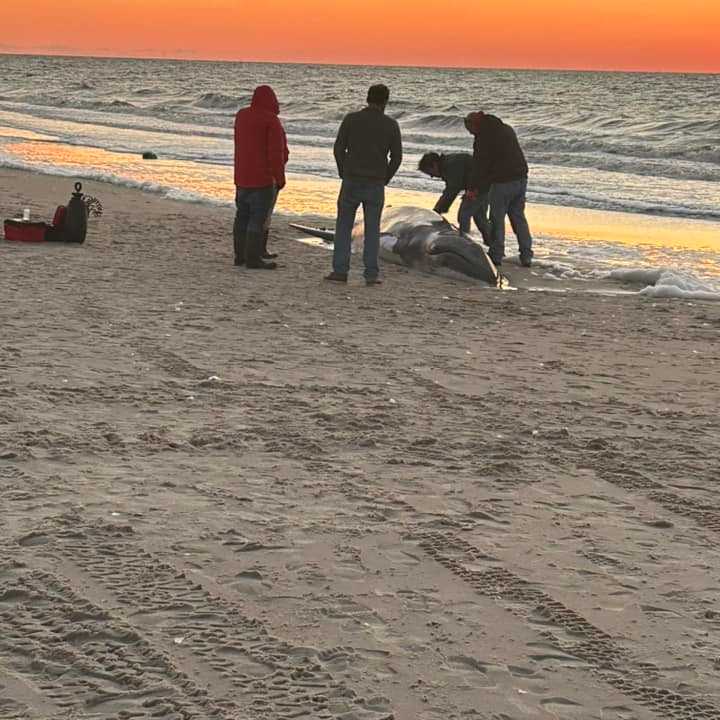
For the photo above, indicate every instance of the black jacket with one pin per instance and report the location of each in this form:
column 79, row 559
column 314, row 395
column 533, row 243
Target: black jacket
column 455, row 170
column 364, row 140
column 497, row 155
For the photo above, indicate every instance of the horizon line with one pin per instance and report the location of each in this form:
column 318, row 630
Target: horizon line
column 92, row 56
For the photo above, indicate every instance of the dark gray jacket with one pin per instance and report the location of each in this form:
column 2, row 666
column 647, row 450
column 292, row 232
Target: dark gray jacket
column 497, row 155
column 455, row 170
column 364, row 140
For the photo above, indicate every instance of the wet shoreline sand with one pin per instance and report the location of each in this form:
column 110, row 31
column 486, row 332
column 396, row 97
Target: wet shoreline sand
column 604, row 238
column 235, row 494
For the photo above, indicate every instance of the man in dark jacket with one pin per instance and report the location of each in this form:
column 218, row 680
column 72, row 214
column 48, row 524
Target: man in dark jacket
column 499, row 166
column 260, row 157
column 455, row 169
column 364, row 141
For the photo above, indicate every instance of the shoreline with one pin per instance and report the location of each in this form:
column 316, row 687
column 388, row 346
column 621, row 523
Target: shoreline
column 576, row 248
column 34, row 152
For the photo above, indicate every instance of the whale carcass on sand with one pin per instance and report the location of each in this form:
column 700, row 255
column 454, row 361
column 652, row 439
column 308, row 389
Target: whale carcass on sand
column 424, row 240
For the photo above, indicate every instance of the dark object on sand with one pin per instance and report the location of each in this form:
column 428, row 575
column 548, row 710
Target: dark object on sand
column 149, row 156
column 75, row 227
column 70, row 222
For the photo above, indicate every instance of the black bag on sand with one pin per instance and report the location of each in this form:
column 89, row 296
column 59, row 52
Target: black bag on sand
column 70, row 221
column 76, row 217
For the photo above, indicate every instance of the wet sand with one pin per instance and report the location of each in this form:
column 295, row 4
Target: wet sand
column 231, row 494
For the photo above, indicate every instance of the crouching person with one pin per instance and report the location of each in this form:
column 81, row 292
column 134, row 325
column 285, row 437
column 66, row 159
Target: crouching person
column 456, row 170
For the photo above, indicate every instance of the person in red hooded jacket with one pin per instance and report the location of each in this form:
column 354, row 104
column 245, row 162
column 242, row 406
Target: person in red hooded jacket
column 260, row 157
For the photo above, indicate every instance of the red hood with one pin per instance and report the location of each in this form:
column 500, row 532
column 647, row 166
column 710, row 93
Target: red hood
column 264, row 98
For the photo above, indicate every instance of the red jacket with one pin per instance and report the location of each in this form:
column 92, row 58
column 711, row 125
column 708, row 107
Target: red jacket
column 261, row 151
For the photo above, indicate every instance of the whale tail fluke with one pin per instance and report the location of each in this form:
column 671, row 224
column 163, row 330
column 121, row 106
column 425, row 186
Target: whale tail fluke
column 323, row 233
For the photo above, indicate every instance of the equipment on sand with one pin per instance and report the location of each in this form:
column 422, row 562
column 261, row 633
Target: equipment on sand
column 69, row 224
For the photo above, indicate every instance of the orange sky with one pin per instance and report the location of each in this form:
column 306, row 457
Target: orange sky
column 665, row 35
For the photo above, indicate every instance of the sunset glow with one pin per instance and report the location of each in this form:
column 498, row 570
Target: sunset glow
column 590, row 34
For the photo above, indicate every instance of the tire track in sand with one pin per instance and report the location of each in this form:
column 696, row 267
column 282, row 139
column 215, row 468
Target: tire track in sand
column 606, row 659
column 706, row 516
column 210, row 637
column 87, row 663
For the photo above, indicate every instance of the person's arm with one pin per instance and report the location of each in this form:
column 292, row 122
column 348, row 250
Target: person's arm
column 447, row 198
column 276, row 153
column 454, row 174
column 341, row 146
column 236, row 136
column 395, row 153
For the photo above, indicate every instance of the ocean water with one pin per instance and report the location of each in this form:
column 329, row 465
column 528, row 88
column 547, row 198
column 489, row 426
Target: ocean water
column 646, row 144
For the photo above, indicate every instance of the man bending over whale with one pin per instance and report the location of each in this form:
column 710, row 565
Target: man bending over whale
column 456, row 169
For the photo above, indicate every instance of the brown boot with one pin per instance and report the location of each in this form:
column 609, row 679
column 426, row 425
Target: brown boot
column 265, row 255
column 253, row 252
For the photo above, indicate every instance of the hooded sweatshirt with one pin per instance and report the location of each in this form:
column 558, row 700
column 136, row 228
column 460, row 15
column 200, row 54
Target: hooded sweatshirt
column 497, row 155
column 261, row 151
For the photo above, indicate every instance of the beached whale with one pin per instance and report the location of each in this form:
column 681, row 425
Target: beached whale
column 424, row 240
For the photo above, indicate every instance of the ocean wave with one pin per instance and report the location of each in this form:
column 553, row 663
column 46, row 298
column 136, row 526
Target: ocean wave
column 572, row 197
column 438, row 121
column 219, row 101
column 547, row 142
column 663, row 283
column 52, row 102
column 115, row 104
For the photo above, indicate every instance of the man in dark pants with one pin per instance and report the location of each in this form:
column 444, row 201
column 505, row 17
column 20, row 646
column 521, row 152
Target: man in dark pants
column 260, row 157
column 266, row 255
column 455, row 169
column 364, row 141
column 499, row 165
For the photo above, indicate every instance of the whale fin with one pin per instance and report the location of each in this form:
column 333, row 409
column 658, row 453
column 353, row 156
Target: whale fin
column 322, row 233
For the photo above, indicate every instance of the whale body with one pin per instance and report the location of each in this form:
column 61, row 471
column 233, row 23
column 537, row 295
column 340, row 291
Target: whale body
column 424, row 240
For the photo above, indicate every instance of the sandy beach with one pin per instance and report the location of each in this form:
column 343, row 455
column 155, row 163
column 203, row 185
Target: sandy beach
column 228, row 494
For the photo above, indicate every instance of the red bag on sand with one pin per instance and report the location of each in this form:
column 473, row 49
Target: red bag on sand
column 59, row 219
column 19, row 231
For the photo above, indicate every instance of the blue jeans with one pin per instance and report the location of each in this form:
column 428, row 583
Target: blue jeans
column 253, row 207
column 509, row 199
column 372, row 198
column 476, row 210
column 268, row 219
